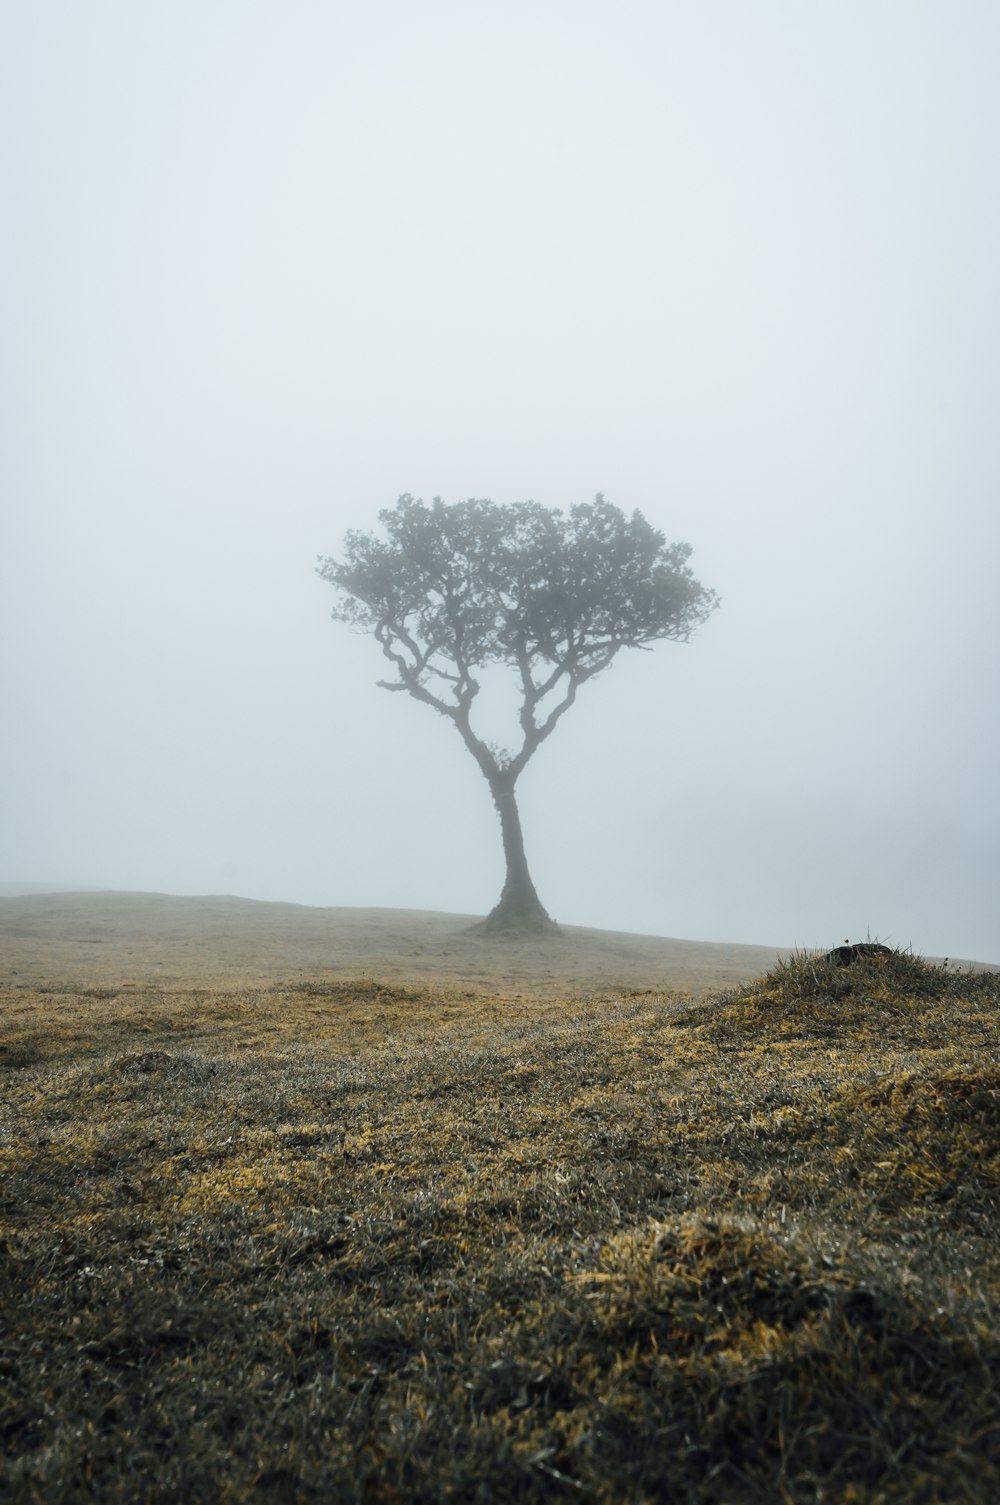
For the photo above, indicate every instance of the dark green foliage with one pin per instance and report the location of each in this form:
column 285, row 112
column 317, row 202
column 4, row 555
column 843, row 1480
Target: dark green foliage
column 552, row 595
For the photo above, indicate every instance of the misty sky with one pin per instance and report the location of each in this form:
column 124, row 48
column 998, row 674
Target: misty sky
column 267, row 264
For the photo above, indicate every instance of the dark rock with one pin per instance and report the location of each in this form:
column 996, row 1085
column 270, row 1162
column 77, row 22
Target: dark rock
column 843, row 956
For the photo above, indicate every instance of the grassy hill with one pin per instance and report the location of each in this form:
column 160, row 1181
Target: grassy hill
column 367, row 1242
column 115, row 938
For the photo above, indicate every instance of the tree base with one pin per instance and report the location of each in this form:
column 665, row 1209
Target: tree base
column 508, row 920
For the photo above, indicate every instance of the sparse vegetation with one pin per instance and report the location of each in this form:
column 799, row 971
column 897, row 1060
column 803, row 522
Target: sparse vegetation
column 362, row 1243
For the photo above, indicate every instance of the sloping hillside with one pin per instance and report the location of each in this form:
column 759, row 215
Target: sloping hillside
column 137, row 938
column 378, row 1243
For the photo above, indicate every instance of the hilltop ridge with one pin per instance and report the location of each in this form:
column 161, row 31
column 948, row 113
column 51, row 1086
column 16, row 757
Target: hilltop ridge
column 141, row 938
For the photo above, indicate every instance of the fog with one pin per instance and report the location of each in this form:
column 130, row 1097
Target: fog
column 266, row 266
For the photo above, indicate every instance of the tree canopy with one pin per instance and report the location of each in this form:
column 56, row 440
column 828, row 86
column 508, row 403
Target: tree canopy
column 450, row 589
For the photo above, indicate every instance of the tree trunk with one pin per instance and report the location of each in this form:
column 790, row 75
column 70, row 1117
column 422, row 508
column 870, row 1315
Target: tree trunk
column 520, row 908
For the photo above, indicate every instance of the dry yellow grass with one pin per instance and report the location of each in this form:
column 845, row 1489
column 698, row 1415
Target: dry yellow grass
column 363, row 1242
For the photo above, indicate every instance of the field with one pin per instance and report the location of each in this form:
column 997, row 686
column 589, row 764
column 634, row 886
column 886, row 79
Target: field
column 325, row 1238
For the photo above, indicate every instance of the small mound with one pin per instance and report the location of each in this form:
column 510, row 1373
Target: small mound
column 813, row 996
column 765, row 1353
column 703, row 1283
column 161, row 1063
column 20, row 1054
column 148, row 1061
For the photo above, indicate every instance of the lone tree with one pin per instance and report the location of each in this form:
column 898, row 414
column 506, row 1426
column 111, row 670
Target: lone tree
column 452, row 589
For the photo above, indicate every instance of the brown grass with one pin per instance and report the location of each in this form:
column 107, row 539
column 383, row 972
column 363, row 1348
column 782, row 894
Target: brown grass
column 364, row 1242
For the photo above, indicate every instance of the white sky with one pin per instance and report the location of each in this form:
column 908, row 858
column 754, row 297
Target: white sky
column 267, row 265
